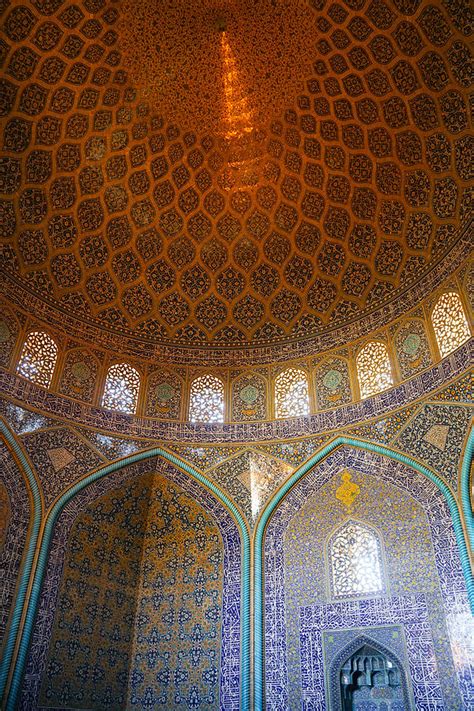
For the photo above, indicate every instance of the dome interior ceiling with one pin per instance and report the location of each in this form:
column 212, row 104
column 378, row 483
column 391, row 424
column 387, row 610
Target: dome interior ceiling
column 219, row 180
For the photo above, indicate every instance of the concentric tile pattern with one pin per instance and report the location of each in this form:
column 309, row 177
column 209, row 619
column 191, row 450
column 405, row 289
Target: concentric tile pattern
column 347, row 189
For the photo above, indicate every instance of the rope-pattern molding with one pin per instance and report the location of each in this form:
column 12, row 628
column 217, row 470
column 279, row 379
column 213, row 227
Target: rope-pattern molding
column 466, row 488
column 25, row 574
column 257, row 545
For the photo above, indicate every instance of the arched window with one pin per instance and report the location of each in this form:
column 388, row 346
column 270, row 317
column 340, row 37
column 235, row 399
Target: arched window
column 206, row 402
column 122, row 385
column 449, row 323
column 355, row 560
column 291, row 393
column 38, row 358
column 373, row 369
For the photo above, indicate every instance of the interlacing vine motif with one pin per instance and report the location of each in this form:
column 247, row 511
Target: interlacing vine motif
column 122, row 386
column 291, row 393
column 206, row 403
column 373, row 369
column 38, row 358
column 355, row 561
column 449, row 323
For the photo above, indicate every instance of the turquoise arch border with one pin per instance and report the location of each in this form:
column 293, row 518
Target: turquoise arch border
column 258, row 548
column 43, row 560
column 25, row 572
column 466, row 487
column 258, row 669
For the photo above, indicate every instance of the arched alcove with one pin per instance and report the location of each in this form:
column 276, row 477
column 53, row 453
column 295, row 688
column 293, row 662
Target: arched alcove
column 9, row 329
column 122, row 521
column 374, row 370
column 232, row 245
column 420, row 548
column 79, row 374
column 367, row 675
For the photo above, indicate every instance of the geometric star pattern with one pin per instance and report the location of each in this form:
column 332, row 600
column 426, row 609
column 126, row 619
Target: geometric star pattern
column 329, row 206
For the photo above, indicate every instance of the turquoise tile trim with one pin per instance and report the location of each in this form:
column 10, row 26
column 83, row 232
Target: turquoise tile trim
column 43, row 560
column 259, row 690
column 36, row 515
column 258, row 566
column 466, row 488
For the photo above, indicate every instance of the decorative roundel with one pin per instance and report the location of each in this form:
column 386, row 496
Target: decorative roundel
column 194, row 172
column 5, row 333
column 332, row 379
column 411, row 344
column 81, row 371
column 249, row 394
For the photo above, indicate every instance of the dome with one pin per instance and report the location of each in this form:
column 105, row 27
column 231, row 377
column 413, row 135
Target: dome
column 233, row 175
column 236, row 307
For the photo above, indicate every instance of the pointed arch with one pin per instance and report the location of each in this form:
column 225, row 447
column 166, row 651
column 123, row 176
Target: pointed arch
column 78, row 375
column 249, row 397
column 136, row 494
column 9, row 330
column 38, row 574
column 465, row 486
column 349, row 650
column 412, row 347
column 333, row 385
column 164, row 392
column 273, row 503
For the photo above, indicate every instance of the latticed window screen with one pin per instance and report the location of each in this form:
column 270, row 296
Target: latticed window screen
column 291, row 393
column 355, row 561
column 122, row 386
column 449, row 323
column 373, row 369
column 206, row 402
column 38, row 358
